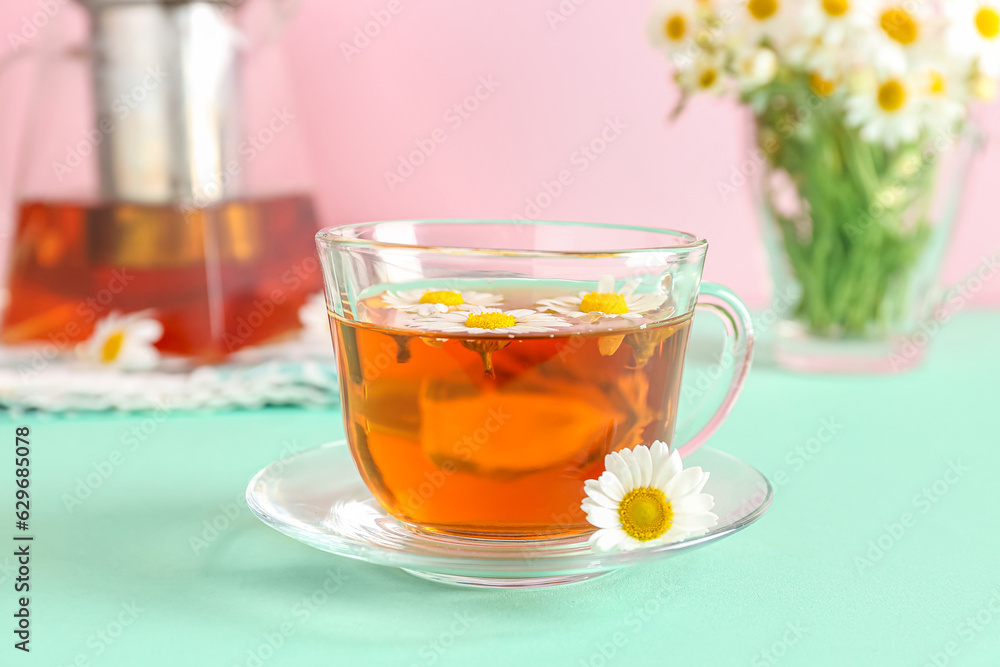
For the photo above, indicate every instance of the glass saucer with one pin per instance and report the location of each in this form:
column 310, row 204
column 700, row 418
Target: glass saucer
column 317, row 497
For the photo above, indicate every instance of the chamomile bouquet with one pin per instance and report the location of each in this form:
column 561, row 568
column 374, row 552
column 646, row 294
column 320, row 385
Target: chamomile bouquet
column 855, row 102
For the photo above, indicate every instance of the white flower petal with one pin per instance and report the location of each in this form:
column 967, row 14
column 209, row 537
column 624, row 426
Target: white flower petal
column 701, row 485
column 606, row 284
column 612, row 486
column 629, row 288
column 646, row 302
column 615, row 464
column 627, row 543
column 644, row 461
column 631, row 458
column 607, row 539
column 595, row 493
column 696, row 521
column 683, row 483
column 674, row 534
column 701, row 502
column 139, row 359
column 146, row 330
column 666, row 472
column 602, row 517
column 660, row 451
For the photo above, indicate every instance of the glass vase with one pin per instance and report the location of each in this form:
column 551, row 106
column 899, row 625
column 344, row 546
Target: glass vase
column 856, row 233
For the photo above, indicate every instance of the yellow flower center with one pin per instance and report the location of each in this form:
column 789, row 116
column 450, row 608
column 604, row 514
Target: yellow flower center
column 675, row 27
column 490, row 320
column 891, row 96
column 762, row 9
column 821, row 86
column 836, row 7
column 937, row 84
column 112, row 347
column 609, row 303
column 444, row 297
column 645, row 513
column 988, row 22
column 707, row 78
column 899, row 25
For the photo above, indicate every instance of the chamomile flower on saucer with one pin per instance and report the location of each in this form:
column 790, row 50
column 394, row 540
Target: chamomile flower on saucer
column 428, row 301
column 606, row 302
column 890, row 111
column 124, row 342
column 974, row 32
column 645, row 497
column 479, row 320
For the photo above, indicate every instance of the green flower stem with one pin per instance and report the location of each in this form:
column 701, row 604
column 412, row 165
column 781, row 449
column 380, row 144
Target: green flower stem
column 864, row 220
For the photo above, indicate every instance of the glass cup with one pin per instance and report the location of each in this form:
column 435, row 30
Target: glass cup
column 487, row 367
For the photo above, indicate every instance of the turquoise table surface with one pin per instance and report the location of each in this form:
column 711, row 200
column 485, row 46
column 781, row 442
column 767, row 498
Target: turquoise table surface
column 881, row 547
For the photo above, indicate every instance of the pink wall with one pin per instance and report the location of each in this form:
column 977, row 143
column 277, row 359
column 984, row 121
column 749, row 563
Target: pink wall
column 557, row 87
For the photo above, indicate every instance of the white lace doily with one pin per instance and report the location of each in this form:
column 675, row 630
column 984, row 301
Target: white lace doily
column 296, row 373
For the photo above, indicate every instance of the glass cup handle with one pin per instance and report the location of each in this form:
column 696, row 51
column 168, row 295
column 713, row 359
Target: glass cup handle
column 731, row 368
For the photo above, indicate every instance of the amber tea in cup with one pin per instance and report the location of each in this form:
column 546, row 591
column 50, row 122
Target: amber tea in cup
column 481, row 387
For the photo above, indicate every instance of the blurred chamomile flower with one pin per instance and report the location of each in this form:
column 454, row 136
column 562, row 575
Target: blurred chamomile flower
column 675, row 27
column 760, row 22
column 897, row 36
column 705, row 75
column 890, row 112
column 125, row 342
column 755, row 68
column 832, row 22
column 974, row 32
column 941, row 92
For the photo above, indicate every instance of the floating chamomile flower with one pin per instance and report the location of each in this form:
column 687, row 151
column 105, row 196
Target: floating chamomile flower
column 428, row 301
column 974, row 32
column 479, row 320
column 890, row 112
column 124, row 342
column 645, row 497
column 606, row 302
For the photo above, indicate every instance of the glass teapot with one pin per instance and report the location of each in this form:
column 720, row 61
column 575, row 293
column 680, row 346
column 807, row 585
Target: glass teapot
column 160, row 169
